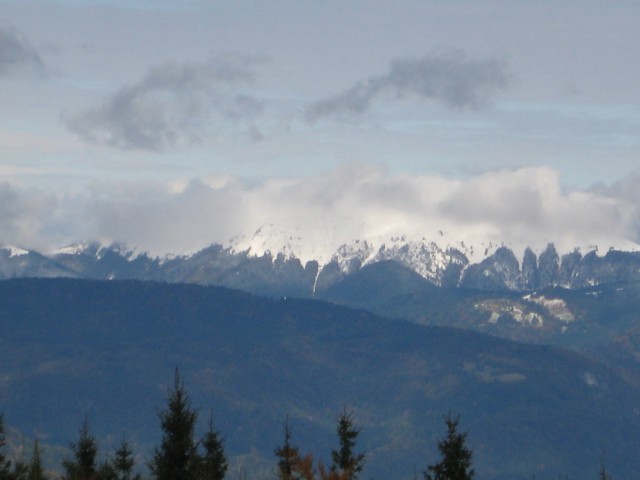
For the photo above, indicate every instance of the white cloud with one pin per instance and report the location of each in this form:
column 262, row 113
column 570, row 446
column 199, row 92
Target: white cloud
column 315, row 215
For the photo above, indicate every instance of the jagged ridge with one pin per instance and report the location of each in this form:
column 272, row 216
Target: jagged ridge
column 285, row 274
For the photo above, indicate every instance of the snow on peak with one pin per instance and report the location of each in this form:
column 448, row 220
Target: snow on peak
column 98, row 250
column 73, row 249
column 350, row 245
column 351, row 249
column 269, row 239
column 14, row 251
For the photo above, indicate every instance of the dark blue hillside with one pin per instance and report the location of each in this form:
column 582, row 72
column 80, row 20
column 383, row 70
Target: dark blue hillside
column 109, row 349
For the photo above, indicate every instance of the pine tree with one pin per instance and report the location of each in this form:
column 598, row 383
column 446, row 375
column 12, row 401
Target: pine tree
column 603, row 475
column 456, row 457
column 106, row 471
column 123, row 462
column 5, row 463
column 288, row 455
column 176, row 457
column 213, row 463
column 20, row 469
column 36, row 472
column 83, row 464
column 20, row 466
column 344, row 461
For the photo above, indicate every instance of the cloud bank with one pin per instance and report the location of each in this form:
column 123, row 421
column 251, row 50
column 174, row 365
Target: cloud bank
column 451, row 79
column 174, row 104
column 16, row 52
column 315, row 215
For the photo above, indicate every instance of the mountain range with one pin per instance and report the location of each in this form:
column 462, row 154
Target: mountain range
column 540, row 356
column 539, row 300
column 284, row 274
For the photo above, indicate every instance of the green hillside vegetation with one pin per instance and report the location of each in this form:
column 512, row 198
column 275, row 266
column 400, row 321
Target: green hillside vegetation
column 105, row 351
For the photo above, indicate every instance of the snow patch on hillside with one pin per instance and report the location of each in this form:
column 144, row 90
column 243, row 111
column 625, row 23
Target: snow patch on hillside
column 556, row 307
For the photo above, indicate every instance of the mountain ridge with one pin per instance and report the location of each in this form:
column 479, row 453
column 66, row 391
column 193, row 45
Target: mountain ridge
column 284, row 274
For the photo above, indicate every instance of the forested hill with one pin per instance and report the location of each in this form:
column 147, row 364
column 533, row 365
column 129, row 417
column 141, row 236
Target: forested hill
column 108, row 350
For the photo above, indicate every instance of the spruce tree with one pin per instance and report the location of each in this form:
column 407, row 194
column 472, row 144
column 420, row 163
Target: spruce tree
column 603, row 475
column 213, row 463
column 288, row 455
column 36, row 472
column 5, row 463
column 456, row 457
column 83, row 464
column 20, row 469
column 176, row 458
column 105, row 471
column 344, row 461
column 122, row 463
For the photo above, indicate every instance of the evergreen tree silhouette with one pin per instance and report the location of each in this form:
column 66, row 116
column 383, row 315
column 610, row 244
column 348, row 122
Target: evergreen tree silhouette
column 288, row 455
column 5, row 463
column 176, row 458
column 344, row 461
column 122, row 464
column 36, row 472
column 213, row 463
column 82, row 466
column 456, row 457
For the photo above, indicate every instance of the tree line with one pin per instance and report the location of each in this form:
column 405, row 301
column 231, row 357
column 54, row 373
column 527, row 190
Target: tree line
column 180, row 456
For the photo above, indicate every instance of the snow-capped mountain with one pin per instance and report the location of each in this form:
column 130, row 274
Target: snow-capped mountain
column 275, row 262
column 431, row 257
column 438, row 257
column 336, row 244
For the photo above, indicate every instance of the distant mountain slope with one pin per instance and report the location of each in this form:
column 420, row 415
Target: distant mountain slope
column 108, row 350
column 281, row 273
column 600, row 320
column 377, row 283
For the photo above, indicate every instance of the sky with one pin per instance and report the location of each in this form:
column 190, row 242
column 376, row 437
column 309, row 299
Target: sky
column 169, row 125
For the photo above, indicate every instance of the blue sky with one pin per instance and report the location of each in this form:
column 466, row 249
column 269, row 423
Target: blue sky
column 102, row 98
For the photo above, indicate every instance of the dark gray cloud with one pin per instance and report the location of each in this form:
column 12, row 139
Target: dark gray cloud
column 174, row 104
column 16, row 52
column 451, row 79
